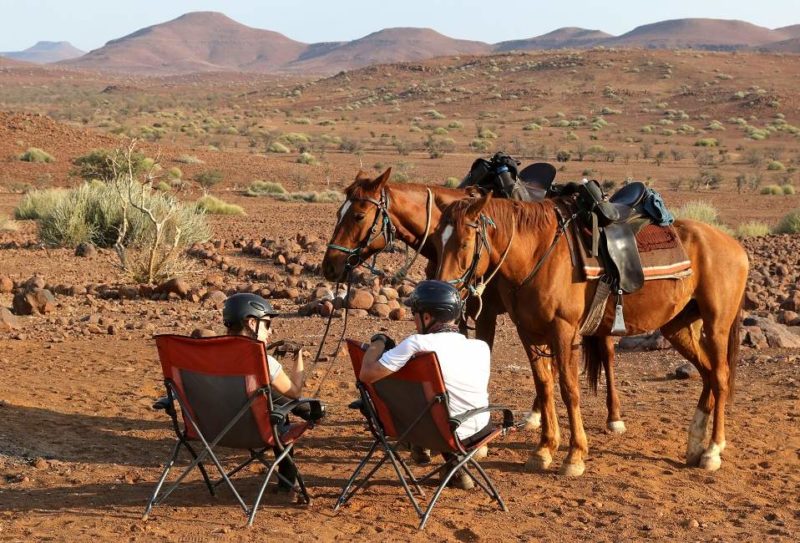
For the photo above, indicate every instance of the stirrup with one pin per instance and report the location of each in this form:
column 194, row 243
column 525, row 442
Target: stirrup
column 618, row 328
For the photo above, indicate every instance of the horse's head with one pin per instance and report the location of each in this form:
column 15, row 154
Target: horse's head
column 462, row 241
column 362, row 227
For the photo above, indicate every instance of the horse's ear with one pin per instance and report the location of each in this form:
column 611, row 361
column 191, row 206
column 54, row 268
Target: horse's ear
column 476, row 207
column 382, row 179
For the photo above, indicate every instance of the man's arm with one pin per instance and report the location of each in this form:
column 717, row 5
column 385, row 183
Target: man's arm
column 371, row 369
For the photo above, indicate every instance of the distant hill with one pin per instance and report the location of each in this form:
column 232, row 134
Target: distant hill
column 387, row 46
column 713, row 34
column 567, row 37
column 194, row 42
column 212, row 42
column 785, row 46
column 46, row 51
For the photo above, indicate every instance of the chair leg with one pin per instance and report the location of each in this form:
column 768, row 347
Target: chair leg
column 344, row 497
column 211, row 486
column 494, row 493
column 261, row 490
column 303, row 489
column 395, row 460
column 164, row 473
column 441, row 487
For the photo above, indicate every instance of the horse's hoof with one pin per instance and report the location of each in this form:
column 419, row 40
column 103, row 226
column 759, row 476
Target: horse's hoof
column 481, row 453
column 572, row 469
column 693, row 459
column 710, row 462
column 616, row 427
column 539, row 461
column 533, row 421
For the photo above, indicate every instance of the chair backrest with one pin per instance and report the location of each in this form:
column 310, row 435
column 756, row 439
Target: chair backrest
column 403, row 396
column 214, row 378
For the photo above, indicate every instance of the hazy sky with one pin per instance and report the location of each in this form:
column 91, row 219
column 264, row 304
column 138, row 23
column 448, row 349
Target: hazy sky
column 88, row 24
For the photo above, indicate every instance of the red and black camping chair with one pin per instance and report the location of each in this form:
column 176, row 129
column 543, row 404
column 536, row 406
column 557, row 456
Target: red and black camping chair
column 411, row 405
column 222, row 387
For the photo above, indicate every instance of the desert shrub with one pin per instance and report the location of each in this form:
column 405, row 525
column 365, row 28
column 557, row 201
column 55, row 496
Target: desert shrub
column 208, row 179
column 772, row 189
column 789, row 224
column 531, row 127
column 301, row 120
column 306, row 158
column 215, row 206
column 715, row 125
column 454, row 125
column 277, row 147
column 163, row 186
column 37, row 204
column 706, row 142
column 440, row 131
column 188, row 159
column 698, row 211
column 433, row 114
column 480, row 145
column 175, row 173
column 349, row 145
column 752, row 229
column 105, row 164
column 788, row 190
column 294, row 138
column 34, row 154
column 775, row 166
column 452, row 182
column 327, row 196
column 262, row 188
column 486, row 134
column 563, row 156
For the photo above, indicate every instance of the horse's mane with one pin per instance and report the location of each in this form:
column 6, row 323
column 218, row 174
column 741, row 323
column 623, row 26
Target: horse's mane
column 527, row 215
column 357, row 189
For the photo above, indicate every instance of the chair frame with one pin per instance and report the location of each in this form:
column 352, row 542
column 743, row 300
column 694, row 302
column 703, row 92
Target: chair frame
column 276, row 414
column 464, row 456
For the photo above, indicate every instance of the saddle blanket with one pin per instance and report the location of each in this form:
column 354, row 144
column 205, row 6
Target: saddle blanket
column 660, row 250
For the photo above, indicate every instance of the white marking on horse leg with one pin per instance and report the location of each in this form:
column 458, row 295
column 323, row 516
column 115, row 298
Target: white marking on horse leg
column 698, row 431
column 533, row 421
column 711, row 461
column 343, row 211
column 616, row 426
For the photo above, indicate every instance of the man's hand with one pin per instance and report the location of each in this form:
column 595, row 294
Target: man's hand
column 383, row 338
column 284, row 348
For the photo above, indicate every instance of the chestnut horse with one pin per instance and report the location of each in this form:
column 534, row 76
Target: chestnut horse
column 548, row 300
column 361, row 232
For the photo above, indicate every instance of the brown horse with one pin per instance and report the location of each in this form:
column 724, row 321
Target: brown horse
column 699, row 315
column 361, row 232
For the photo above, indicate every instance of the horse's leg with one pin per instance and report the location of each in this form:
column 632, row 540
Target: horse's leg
column 684, row 333
column 542, row 457
column 566, row 353
column 614, row 423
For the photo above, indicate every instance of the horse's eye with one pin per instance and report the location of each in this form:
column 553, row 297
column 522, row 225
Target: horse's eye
column 359, row 216
column 464, row 244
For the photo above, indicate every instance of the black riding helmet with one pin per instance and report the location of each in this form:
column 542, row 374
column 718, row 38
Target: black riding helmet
column 441, row 300
column 243, row 305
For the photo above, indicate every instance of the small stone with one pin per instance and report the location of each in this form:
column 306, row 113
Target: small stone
column 86, row 250
column 6, row 285
column 175, row 286
column 397, row 314
column 326, row 308
column 32, row 302
column 390, row 293
column 357, row 312
column 360, row 299
column 686, row 371
column 8, row 321
column 203, row 332
column 214, row 299
column 692, row 524
column 381, row 310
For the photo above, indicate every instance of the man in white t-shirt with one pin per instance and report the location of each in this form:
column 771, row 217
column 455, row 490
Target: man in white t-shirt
column 465, row 363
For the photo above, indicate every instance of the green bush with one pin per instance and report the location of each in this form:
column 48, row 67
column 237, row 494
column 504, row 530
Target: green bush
column 188, row 159
column 788, row 190
column 306, row 158
column 163, row 186
column 752, row 229
column 34, row 154
column 532, row 126
column 772, row 189
column 37, row 204
column 327, row 196
column 261, row 188
column 707, row 142
column 698, row 211
column 452, row 182
column 789, row 224
column 175, row 173
column 208, row 179
column 215, row 206
column 107, row 164
column 776, row 166
column 277, row 147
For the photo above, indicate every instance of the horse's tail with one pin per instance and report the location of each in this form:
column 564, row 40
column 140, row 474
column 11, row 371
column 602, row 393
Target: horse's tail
column 733, row 349
column 595, row 356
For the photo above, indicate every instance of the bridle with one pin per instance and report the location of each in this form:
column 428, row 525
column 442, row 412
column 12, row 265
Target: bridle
column 382, row 226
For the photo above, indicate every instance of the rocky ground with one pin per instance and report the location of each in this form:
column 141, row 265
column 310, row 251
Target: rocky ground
column 80, row 447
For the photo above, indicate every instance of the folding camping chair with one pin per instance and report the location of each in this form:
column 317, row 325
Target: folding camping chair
column 222, row 387
column 411, row 405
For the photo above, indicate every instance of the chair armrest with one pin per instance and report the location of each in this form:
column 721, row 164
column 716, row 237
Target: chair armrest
column 508, row 416
column 280, row 412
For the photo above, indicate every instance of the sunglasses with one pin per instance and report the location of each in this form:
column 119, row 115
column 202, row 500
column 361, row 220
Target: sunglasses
column 267, row 322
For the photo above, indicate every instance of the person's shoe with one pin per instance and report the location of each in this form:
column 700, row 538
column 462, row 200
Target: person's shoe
column 461, row 480
column 481, row 453
column 420, row 456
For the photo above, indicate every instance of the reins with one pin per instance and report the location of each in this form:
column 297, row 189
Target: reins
column 403, row 271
